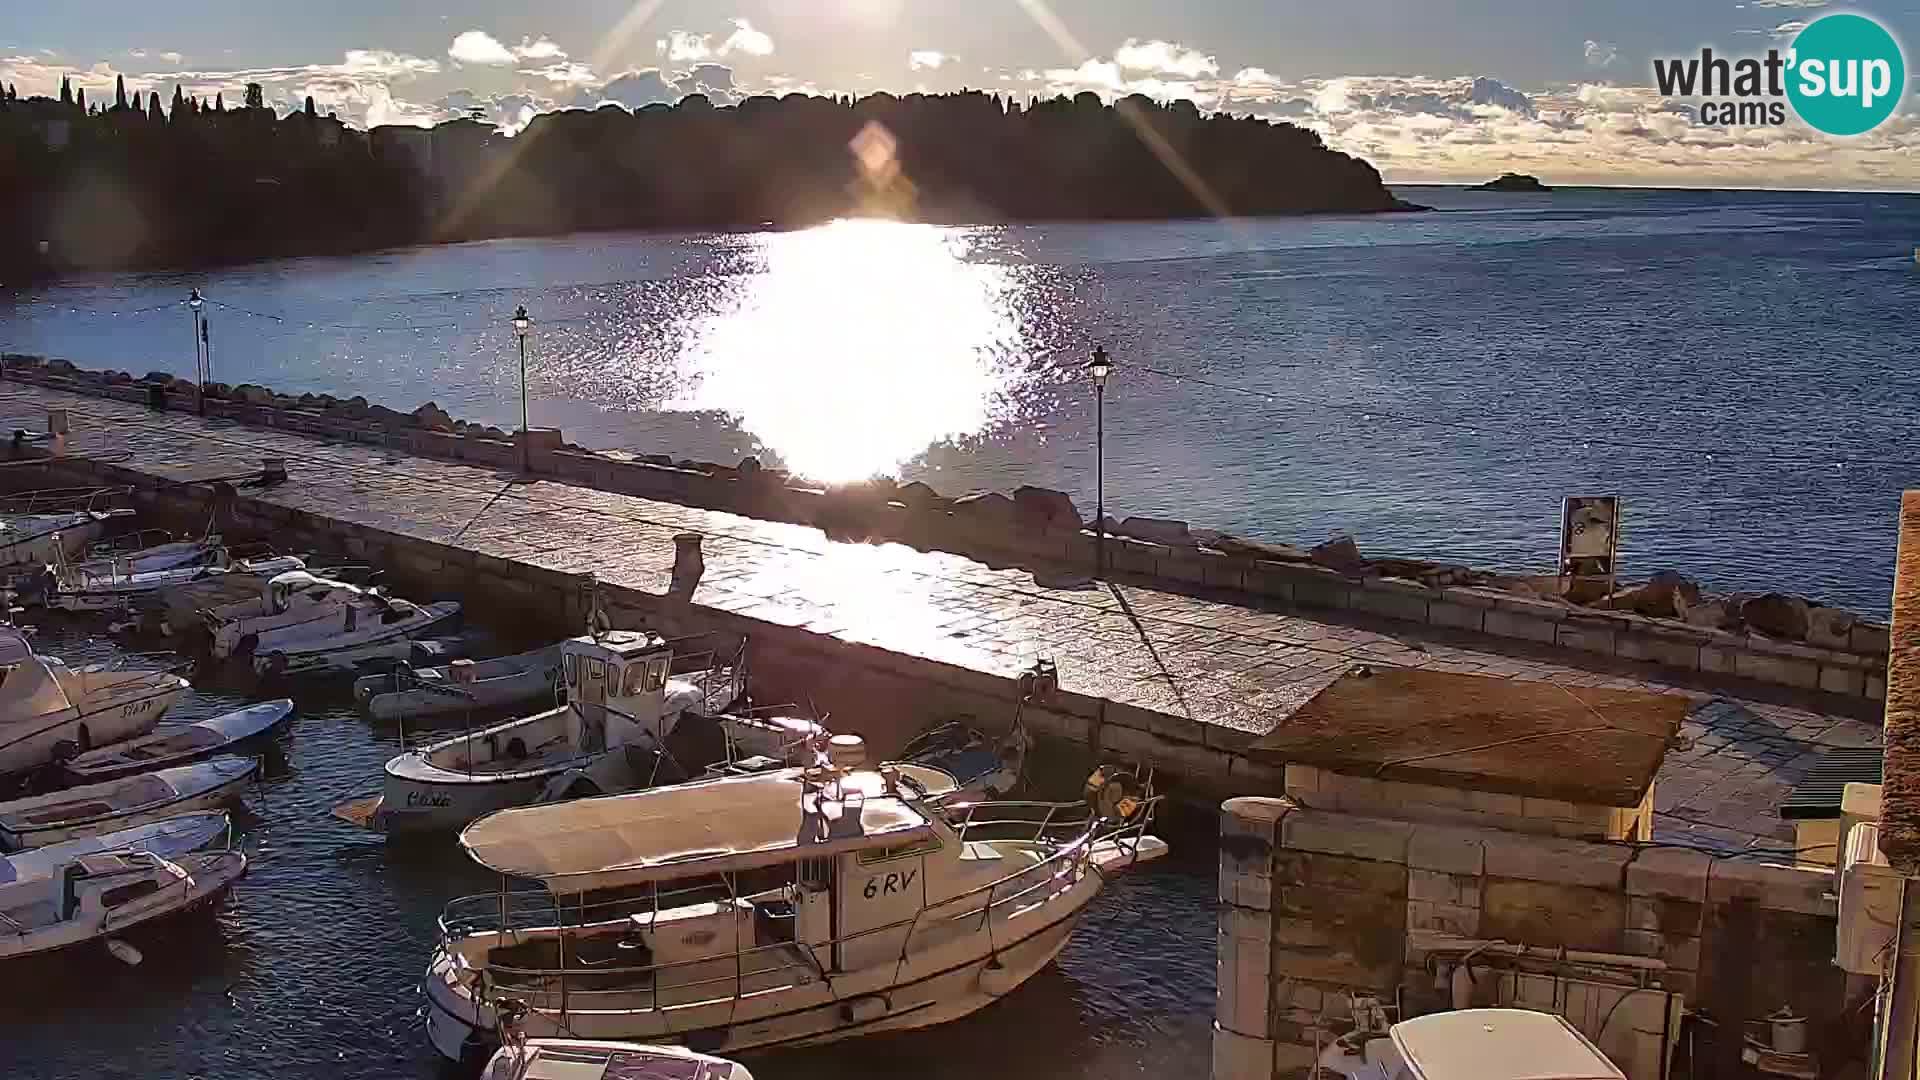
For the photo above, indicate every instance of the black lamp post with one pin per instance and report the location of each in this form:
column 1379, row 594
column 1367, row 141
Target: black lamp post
column 521, row 324
column 195, row 301
column 1100, row 367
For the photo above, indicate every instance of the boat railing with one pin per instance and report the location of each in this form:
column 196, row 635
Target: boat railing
column 7, row 922
column 975, row 907
column 68, row 500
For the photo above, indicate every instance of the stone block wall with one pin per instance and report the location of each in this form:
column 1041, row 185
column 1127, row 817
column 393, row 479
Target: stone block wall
column 1317, row 907
column 1323, row 789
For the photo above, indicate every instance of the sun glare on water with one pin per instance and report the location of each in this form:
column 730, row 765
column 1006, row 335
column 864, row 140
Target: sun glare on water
column 857, row 345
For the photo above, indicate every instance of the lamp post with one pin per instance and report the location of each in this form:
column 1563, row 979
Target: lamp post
column 195, row 301
column 1100, row 367
column 521, row 324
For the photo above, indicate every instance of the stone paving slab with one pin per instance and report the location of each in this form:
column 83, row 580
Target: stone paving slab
column 1208, row 671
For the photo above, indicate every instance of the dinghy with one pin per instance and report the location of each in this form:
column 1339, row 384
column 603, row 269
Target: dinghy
column 118, row 587
column 50, row 711
column 583, row 1059
column 792, row 908
column 149, row 549
column 978, row 767
column 179, row 744
column 32, row 540
column 365, row 633
column 120, row 804
column 94, row 896
column 627, row 724
column 461, row 686
column 167, row 838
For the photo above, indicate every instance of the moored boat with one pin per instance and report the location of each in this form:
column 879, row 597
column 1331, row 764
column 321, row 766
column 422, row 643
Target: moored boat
column 167, row 838
column 789, row 908
column 583, row 1059
column 179, row 744
column 378, row 632
column 94, row 896
column 49, row 710
column 461, row 686
column 117, row 587
column 120, row 804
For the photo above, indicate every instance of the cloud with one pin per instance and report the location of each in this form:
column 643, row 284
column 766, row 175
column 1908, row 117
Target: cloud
column 171, row 57
column 747, row 40
column 653, row 86
column 480, row 47
column 1095, row 75
column 565, row 73
column 1255, row 77
column 1791, row 3
column 681, row 46
column 928, row 59
column 510, row 113
column 1165, row 57
column 540, row 48
column 1600, row 53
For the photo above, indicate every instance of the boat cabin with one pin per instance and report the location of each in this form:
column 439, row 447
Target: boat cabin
column 91, row 887
column 278, row 591
column 617, row 681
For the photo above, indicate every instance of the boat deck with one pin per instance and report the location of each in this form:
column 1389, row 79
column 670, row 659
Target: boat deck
column 1195, row 672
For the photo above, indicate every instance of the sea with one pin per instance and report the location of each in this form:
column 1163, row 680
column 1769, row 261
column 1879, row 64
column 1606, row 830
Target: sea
column 1736, row 366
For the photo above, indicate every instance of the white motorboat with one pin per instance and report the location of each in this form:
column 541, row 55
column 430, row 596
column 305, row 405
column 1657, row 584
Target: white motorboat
column 282, row 602
column 790, row 908
column 461, row 686
column 166, row 838
column 49, row 710
column 124, row 803
column 975, row 765
column 179, row 744
column 149, row 549
column 581, row 1059
column 32, row 540
column 627, row 724
column 117, row 586
column 378, row 631
column 94, row 896
column 1471, row 1044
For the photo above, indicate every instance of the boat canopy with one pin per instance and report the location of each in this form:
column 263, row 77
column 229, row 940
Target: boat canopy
column 711, row 827
column 1499, row 1044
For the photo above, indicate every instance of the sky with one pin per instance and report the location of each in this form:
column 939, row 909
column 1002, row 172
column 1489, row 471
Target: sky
column 1428, row 92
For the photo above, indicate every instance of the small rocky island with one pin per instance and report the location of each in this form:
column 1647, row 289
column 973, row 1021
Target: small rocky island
column 1512, row 182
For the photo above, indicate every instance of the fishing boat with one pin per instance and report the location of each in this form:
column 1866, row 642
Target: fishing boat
column 150, row 549
column 975, row 765
column 180, row 744
column 1471, row 1044
column 36, row 537
column 790, row 908
column 461, row 686
column 628, row 723
column 49, row 710
column 120, row 804
column 118, row 586
column 95, row 896
column 166, row 838
column 282, row 602
column 372, row 633
column 582, row 1059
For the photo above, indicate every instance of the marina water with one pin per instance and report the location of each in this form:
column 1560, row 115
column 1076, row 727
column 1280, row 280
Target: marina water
column 1736, row 365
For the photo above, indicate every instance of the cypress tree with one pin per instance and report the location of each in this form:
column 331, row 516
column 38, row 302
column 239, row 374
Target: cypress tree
column 311, row 113
column 219, row 106
column 153, row 108
column 179, row 103
column 80, row 99
column 119, row 92
column 66, row 90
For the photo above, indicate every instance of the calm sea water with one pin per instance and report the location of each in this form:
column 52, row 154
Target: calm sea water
column 309, row 971
column 1432, row 384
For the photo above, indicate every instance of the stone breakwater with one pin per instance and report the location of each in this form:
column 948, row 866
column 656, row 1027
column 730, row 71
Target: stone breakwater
column 1773, row 637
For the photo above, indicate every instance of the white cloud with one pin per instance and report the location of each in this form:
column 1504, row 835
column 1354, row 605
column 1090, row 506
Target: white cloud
column 1166, row 58
column 386, row 64
column 172, row 57
column 747, row 40
column 1095, row 75
column 480, row 47
column 1600, row 53
column 928, row 59
column 1255, row 77
column 565, row 73
column 652, row 86
column 681, row 46
column 540, row 48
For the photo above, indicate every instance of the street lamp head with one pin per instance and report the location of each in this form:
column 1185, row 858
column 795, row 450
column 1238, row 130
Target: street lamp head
column 194, row 300
column 520, row 320
column 1100, row 366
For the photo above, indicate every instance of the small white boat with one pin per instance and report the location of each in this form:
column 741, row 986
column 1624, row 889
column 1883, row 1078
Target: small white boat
column 94, row 896
column 132, row 554
column 977, row 766
column 49, row 710
column 166, row 838
column 627, row 725
column 380, row 630
column 283, row 602
column 32, row 540
column 120, row 804
column 792, row 908
column 461, row 686
column 179, row 744
column 583, row 1059
column 117, row 587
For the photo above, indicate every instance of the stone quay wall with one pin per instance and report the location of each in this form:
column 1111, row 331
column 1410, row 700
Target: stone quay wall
column 1771, row 638
column 1319, row 907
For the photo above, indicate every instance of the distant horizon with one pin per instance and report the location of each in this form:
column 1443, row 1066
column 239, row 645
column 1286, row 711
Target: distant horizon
column 1589, row 186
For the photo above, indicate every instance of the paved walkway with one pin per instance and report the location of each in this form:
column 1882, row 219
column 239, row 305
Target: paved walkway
column 1234, row 671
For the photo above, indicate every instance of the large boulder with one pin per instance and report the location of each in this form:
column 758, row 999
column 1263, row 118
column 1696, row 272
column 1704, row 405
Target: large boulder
column 1830, row 627
column 432, row 417
column 1776, row 615
column 58, row 366
column 919, row 495
column 164, row 378
column 1045, row 508
column 985, row 506
column 1339, row 553
column 1166, row 531
column 1663, row 596
column 249, row 394
column 1242, row 548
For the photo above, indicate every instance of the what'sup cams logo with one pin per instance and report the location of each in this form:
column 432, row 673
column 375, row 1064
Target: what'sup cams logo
column 1843, row 75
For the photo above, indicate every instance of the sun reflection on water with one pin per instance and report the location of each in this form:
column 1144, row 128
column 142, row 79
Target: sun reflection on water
column 857, row 345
